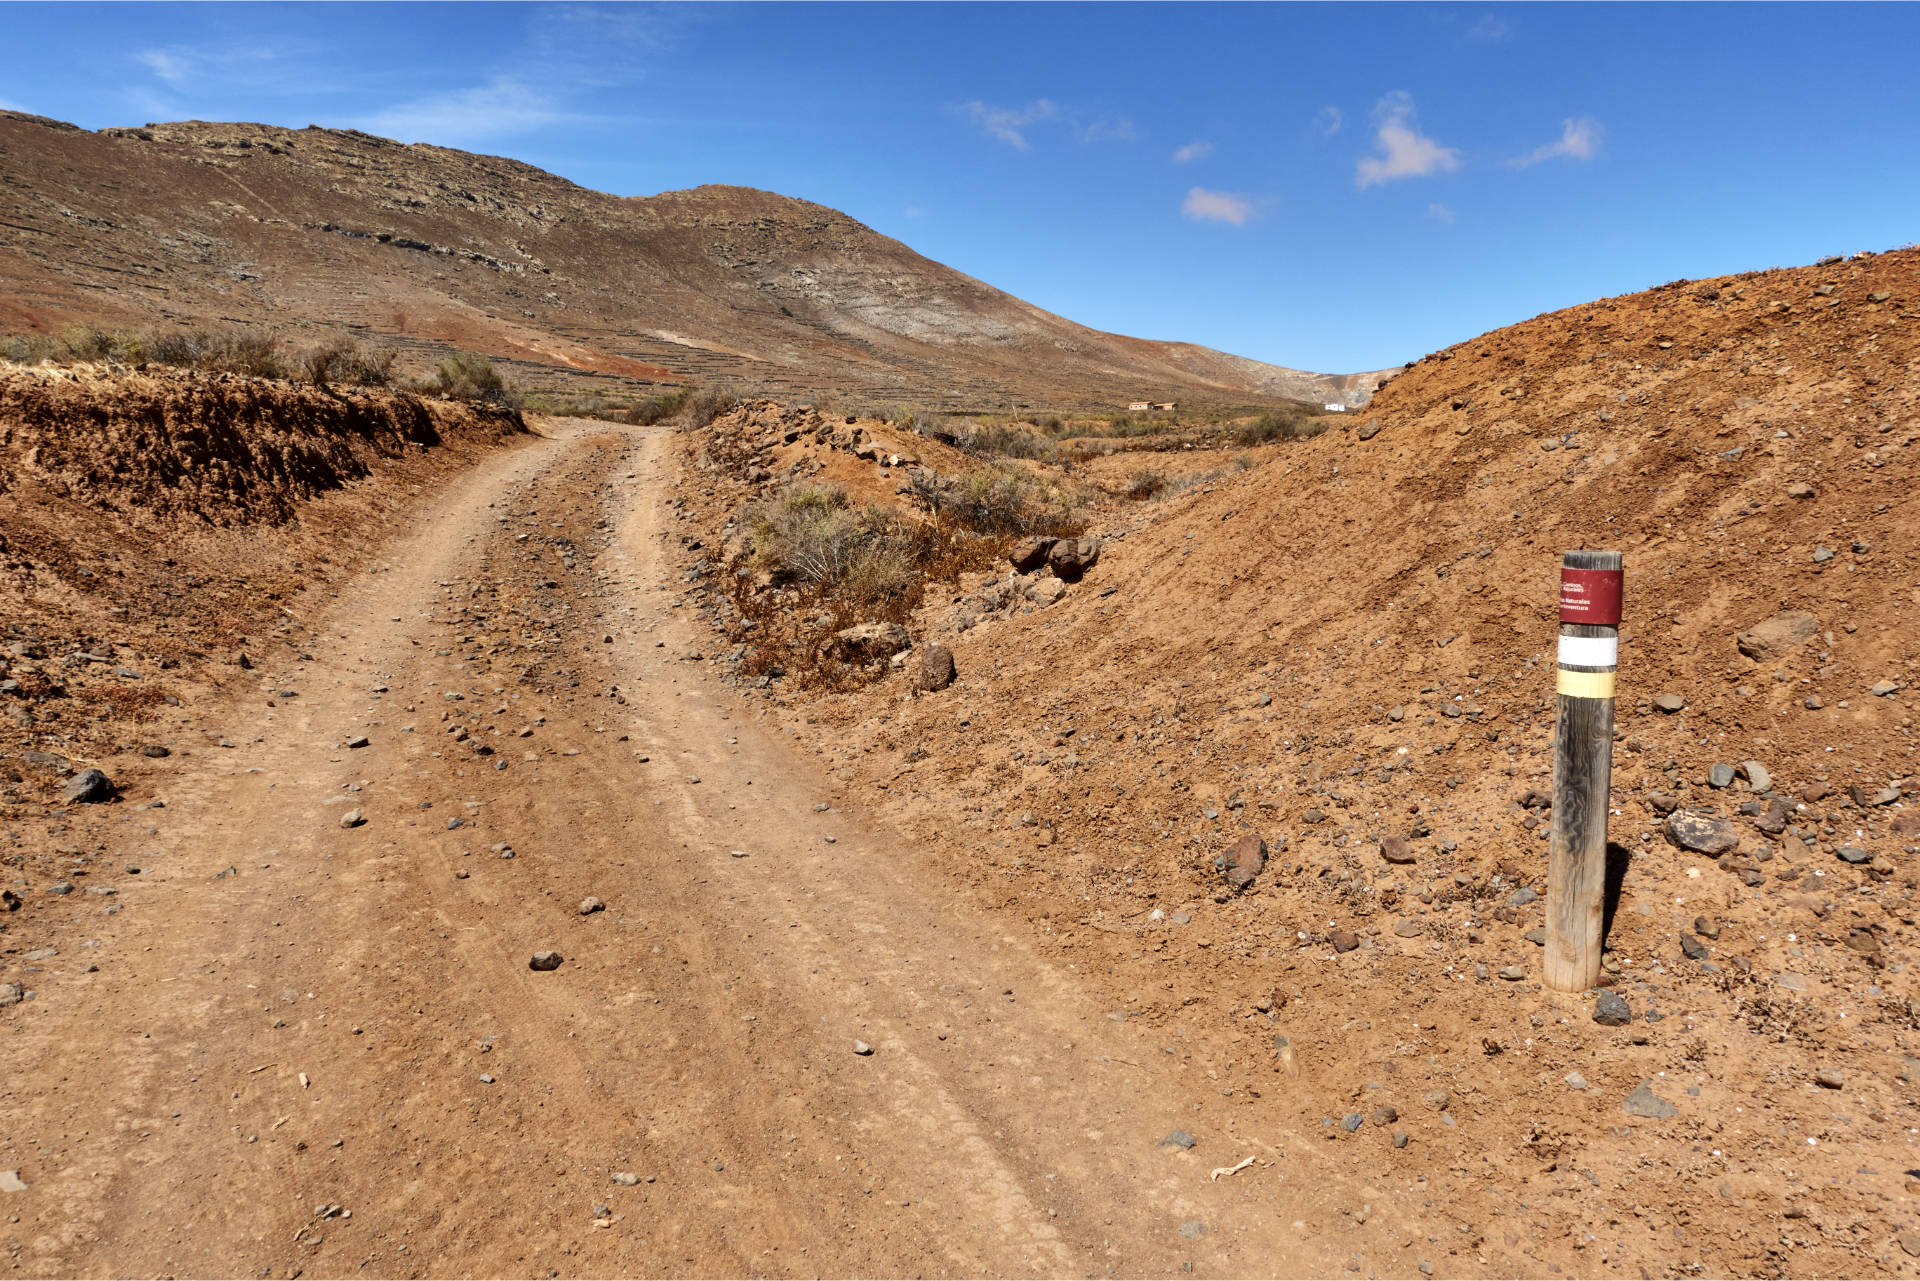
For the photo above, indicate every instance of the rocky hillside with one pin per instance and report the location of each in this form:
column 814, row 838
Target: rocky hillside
column 1344, row 649
column 310, row 230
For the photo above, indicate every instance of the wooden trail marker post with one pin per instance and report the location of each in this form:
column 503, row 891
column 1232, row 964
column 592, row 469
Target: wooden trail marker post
column 1589, row 656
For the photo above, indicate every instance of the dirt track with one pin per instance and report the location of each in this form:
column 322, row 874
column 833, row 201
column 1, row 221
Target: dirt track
column 700, row 1033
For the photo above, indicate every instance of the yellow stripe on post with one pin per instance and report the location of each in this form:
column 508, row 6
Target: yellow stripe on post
column 1585, row 684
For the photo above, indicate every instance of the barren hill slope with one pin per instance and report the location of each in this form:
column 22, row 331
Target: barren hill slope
column 314, row 229
column 1348, row 646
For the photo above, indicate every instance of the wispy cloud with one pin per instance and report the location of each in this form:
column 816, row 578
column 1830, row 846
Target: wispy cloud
column 1015, row 125
column 1191, row 152
column 1202, row 205
column 1328, row 121
column 1488, row 29
column 1579, row 140
column 1105, row 129
column 170, row 67
column 1439, row 212
column 915, row 211
column 1405, row 152
column 500, row 109
column 1010, row 124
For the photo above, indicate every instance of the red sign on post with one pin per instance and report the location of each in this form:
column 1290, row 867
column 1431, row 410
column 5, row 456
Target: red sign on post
column 1590, row 596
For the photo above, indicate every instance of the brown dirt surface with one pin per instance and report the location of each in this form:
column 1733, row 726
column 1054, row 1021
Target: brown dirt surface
column 1351, row 640
column 312, row 233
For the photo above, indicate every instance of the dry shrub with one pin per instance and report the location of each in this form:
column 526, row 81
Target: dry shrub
column 1268, row 428
column 1000, row 498
column 659, row 407
column 704, row 404
column 1008, row 441
column 1146, row 483
column 344, row 361
column 469, row 376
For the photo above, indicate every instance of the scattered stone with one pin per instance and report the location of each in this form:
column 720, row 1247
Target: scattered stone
column 865, row 643
column 1909, row 1241
column 1072, row 557
column 1644, row 1102
column 1701, row 833
column 1791, row 981
column 1192, row 1229
column 1575, row 1081
column 1668, row 703
column 486, row 1078
column 1397, row 714
column 1719, row 776
column 352, row 818
column 1830, row 1079
column 936, row 670
column 1880, row 690
column 544, row 961
column 1437, row 1099
column 1351, row 1121
column 358, row 740
column 1344, row 940
column 862, row 1048
column 10, row 1181
column 1773, row 638
column 88, row 787
column 1408, row 928
column 590, row 905
column 1692, row 948
column 1386, row 1114
column 1799, row 489
column 1536, row 936
column 625, row 1179
column 1245, row 860
column 11, row 994
column 1521, row 897
column 1369, row 429
column 1610, row 1009
column 1706, row 927
column 156, row 752
column 1030, row 554
column 60, row 887
column 1853, row 854
column 1179, row 1139
column 1513, row 973
column 1772, row 819
column 1756, row 775
column 1394, row 849
column 11, row 901
column 1399, row 1138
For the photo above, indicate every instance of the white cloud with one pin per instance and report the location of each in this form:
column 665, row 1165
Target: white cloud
column 1191, row 152
column 1216, row 206
column 501, row 109
column 1405, row 152
column 1439, row 212
column 1106, row 129
column 915, row 211
column 1009, row 124
column 1579, row 140
column 1488, row 30
column 1329, row 120
column 170, row 67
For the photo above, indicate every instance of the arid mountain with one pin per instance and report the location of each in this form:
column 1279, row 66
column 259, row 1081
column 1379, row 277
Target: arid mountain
column 311, row 230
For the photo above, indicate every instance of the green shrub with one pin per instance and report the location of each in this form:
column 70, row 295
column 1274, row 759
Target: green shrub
column 469, row 376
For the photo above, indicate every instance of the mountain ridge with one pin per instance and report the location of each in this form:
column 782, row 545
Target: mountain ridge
column 308, row 231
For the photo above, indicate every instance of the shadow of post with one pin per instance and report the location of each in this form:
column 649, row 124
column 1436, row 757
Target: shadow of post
column 1618, row 856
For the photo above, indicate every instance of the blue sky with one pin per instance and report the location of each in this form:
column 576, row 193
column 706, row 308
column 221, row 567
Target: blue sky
column 1325, row 186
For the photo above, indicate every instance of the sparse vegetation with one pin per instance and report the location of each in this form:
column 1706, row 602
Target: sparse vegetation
column 1008, row 441
column 1146, row 483
column 471, row 376
column 702, row 405
column 341, row 360
column 238, row 351
column 1270, row 427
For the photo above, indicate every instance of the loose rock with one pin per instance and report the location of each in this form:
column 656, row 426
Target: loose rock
column 1701, row 833
column 1394, row 849
column 590, row 905
column 1830, row 1079
column 1773, row 638
column 1610, row 1009
column 544, row 961
column 1072, row 557
column 1668, row 703
column 1178, row 1139
column 936, row 670
column 862, row 1048
column 352, row 818
column 88, row 787
column 1245, row 860
column 1644, row 1102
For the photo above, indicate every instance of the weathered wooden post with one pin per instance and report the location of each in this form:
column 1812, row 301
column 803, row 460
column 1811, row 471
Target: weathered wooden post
column 1589, row 656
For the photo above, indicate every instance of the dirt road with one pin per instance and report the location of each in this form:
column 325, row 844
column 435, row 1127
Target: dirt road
column 319, row 1048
